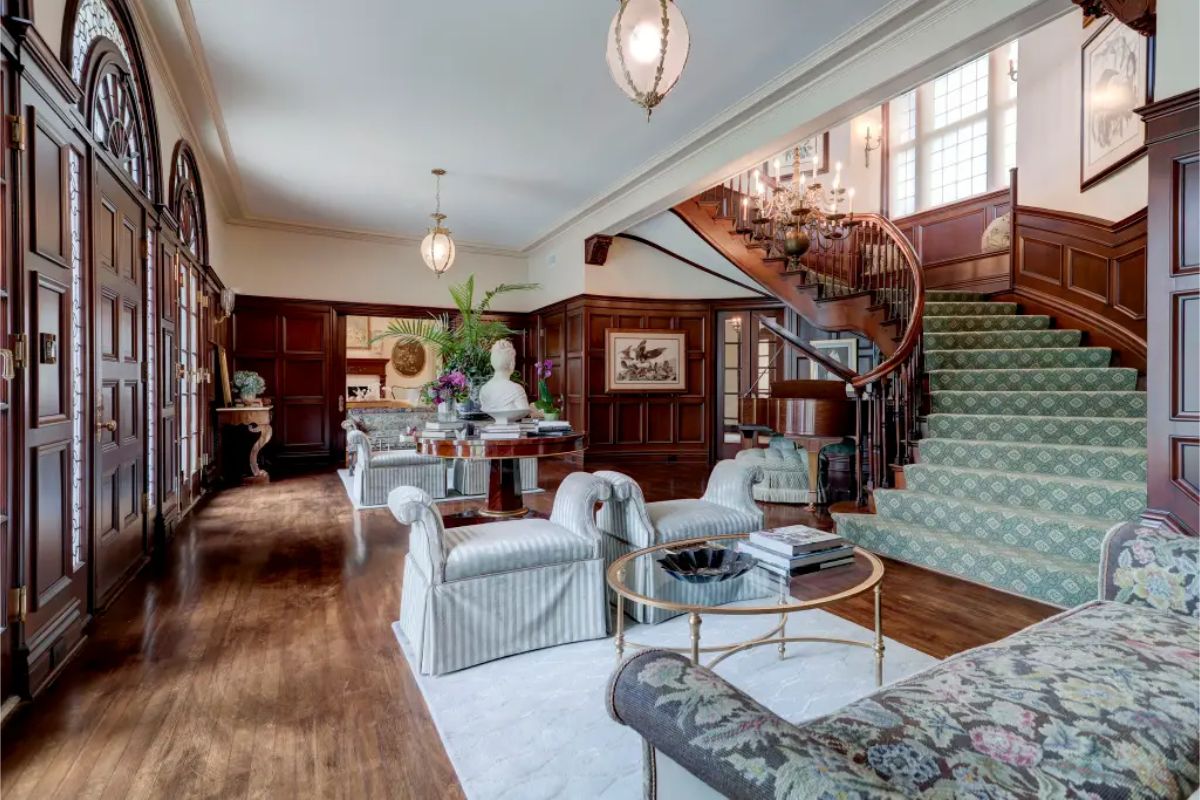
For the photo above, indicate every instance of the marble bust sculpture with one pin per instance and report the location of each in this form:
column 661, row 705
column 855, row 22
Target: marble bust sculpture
column 500, row 393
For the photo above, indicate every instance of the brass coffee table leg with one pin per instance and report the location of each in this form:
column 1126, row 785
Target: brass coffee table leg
column 878, row 636
column 782, row 632
column 620, row 622
column 694, row 619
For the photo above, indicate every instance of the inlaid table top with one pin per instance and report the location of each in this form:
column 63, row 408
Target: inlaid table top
column 532, row 446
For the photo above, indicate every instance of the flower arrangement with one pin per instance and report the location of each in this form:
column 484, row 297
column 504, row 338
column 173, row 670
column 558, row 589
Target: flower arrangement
column 545, row 402
column 448, row 387
column 249, row 384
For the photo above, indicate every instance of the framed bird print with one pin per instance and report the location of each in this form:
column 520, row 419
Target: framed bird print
column 639, row 360
column 1117, row 73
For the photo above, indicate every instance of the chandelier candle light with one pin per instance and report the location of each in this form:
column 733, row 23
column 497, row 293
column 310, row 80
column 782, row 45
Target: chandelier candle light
column 648, row 48
column 437, row 248
column 804, row 209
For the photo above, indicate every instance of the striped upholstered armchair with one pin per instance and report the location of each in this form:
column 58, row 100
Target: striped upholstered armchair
column 481, row 592
column 630, row 523
column 374, row 474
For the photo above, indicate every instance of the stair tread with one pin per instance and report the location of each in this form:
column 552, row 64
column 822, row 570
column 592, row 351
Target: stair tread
column 1123, row 392
column 1098, row 449
column 1002, row 508
column 1039, row 477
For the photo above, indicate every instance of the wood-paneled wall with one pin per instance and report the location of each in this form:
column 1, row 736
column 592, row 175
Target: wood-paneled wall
column 949, row 242
column 1173, row 311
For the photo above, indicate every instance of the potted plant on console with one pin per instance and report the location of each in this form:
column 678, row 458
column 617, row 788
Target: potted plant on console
column 545, row 402
column 249, row 385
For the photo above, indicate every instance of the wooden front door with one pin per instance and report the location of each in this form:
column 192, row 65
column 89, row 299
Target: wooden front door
column 120, row 429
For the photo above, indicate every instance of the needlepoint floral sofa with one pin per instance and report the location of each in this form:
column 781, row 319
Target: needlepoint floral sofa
column 1100, row 702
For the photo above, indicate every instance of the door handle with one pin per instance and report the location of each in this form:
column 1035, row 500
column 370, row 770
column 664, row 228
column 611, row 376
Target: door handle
column 110, row 426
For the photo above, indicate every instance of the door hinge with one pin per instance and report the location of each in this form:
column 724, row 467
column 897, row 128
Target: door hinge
column 145, row 502
column 16, row 131
column 18, row 603
column 20, row 350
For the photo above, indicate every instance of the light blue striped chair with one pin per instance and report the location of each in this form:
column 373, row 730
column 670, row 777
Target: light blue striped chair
column 374, row 474
column 481, row 592
column 630, row 523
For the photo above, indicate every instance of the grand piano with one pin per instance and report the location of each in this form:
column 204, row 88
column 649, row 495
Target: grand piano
column 811, row 413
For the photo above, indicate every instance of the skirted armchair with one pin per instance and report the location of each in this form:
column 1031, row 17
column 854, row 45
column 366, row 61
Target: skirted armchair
column 1098, row 701
column 630, row 523
column 785, row 472
column 374, row 474
column 481, row 592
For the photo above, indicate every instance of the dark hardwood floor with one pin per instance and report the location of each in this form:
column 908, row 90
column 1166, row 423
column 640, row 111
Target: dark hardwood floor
column 258, row 660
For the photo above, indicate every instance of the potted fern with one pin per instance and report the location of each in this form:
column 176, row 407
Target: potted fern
column 463, row 343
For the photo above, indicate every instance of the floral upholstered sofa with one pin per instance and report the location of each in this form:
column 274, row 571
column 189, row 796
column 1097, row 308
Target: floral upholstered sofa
column 1101, row 701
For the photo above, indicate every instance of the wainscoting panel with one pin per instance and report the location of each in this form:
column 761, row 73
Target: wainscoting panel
column 949, row 242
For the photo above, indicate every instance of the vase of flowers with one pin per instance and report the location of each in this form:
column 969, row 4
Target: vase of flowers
column 249, row 385
column 545, row 402
column 444, row 391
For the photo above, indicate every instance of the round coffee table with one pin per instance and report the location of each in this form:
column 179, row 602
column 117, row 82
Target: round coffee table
column 504, row 474
column 767, row 593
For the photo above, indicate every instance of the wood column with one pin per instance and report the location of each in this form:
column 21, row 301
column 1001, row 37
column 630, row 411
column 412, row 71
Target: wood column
column 1173, row 312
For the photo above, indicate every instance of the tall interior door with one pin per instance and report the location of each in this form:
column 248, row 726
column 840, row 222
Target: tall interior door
column 120, row 519
column 169, row 378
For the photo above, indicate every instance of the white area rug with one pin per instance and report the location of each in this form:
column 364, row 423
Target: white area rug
column 344, row 474
column 535, row 726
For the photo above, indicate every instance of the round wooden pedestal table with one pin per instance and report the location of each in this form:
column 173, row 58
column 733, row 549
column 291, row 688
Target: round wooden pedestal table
column 504, row 499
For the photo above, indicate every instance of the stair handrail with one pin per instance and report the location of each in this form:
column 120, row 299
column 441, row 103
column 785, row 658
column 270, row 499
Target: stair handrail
column 835, row 367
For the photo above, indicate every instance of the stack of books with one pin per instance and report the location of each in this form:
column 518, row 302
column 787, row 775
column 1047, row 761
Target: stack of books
column 547, row 427
column 529, row 425
column 798, row 549
column 436, row 429
column 501, row 430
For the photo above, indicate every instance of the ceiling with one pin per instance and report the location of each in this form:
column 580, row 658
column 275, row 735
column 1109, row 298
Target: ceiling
column 334, row 120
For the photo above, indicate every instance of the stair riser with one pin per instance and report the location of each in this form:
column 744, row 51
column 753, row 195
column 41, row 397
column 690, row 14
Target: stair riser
column 1048, row 358
column 935, row 296
column 1011, row 527
column 967, row 308
column 1116, row 503
column 1129, row 405
column 1036, row 380
column 961, row 557
column 995, row 322
column 1002, row 340
column 1109, row 432
column 1063, row 463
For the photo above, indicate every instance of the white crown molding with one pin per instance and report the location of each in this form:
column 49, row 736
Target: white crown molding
column 375, row 237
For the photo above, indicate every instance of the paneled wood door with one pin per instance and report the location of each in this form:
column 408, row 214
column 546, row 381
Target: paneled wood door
column 168, row 378
column 120, row 429
column 52, row 571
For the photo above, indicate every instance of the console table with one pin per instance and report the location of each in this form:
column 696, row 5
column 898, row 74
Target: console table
column 504, row 473
column 257, row 419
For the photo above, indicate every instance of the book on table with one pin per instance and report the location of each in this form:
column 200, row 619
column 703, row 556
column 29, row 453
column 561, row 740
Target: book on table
column 794, row 540
column 489, row 436
column 781, row 562
column 443, row 425
column 808, row 569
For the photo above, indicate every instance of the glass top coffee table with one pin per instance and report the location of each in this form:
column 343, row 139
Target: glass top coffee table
column 760, row 592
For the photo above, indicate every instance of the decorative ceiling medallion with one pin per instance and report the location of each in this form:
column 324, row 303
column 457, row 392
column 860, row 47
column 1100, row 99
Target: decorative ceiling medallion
column 408, row 358
column 648, row 48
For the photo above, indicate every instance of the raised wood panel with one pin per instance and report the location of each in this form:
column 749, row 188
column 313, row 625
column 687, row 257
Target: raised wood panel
column 255, row 330
column 1129, row 284
column 48, row 188
column 304, row 424
column 1041, row 260
column 1087, row 273
column 51, row 514
column 1185, row 465
column 108, row 317
column 1187, row 220
column 600, row 423
column 660, row 421
column 1185, row 357
column 127, row 333
column 630, row 415
column 303, row 335
column 51, row 381
column 954, row 232
column 303, row 378
column 692, row 423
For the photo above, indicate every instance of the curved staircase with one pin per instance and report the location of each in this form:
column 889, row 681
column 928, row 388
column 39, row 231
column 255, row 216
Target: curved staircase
column 1034, row 447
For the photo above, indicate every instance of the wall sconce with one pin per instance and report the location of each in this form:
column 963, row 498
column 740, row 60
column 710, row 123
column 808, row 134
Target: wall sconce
column 1012, row 70
column 871, row 144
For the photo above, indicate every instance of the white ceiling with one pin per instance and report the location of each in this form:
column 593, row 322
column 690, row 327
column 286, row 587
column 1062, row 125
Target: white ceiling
column 335, row 113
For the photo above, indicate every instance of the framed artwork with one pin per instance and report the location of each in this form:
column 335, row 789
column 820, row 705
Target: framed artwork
column 1116, row 74
column 359, row 331
column 810, row 149
column 637, row 360
column 843, row 351
column 223, row 367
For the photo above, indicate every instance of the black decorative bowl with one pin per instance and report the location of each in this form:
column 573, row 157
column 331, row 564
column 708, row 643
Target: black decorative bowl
column 706, row 564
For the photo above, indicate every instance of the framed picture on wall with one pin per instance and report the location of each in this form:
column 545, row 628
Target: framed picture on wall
column 1116, row 72
column 843, row 351
column 813, row 152
column 638, row 360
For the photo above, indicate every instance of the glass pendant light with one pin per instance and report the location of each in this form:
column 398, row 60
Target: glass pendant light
column 647, row 50
column 437, row 248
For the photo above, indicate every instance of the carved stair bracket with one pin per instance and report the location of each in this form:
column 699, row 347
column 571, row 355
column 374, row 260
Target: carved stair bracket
column 1137, row 14
column 595, row 249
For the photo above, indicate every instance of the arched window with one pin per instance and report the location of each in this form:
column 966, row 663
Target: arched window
column 187, row 202
column 105, row 60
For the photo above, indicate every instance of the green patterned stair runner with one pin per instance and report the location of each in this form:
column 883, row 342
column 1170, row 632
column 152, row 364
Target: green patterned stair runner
column 1034, row 448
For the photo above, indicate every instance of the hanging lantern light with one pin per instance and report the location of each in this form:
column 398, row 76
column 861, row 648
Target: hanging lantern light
column 647, row 49
column 437, row 248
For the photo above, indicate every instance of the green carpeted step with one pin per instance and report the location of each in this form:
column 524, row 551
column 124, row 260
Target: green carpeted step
column 987, row 322
column 1040, row 404
column 1037, row 358
column 1063, row 460
column 1083, row 379
column 1041, row 532
column 1059, row 581
column 935, row 296
column 961, row 308
column 1084, row 497
column 1002, row 340
column 1105, row 432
